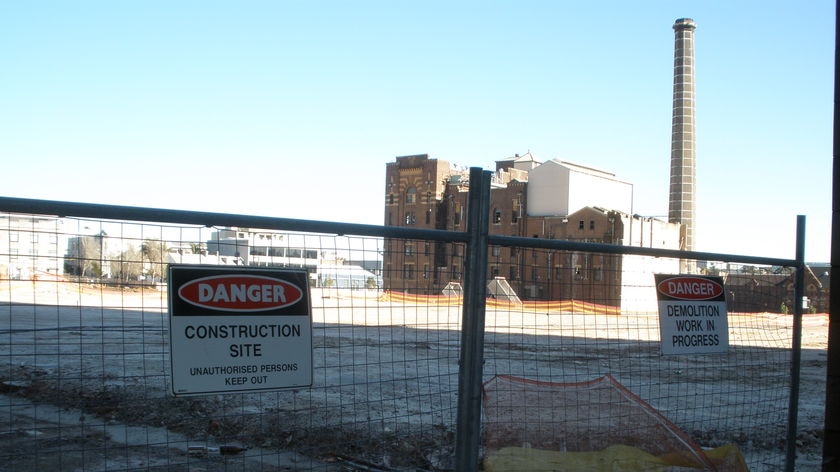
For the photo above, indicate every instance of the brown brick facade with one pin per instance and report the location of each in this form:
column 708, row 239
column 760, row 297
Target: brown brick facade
column 426, row 193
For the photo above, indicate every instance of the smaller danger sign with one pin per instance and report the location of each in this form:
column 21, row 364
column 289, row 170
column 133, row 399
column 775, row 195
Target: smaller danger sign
column 692, row 314
column 238, row 329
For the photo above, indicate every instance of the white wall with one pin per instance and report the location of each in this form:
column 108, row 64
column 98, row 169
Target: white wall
column 557, row 189
column 650, row 232
column 548, row 190
column 638, row 289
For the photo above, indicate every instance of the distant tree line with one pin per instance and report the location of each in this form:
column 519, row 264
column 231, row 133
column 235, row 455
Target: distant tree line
column 87, row 257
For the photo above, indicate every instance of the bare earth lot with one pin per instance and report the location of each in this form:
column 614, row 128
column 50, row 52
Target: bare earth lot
column 83, row 384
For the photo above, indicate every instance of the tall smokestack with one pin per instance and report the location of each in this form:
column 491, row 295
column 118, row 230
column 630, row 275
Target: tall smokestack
column 681, row 205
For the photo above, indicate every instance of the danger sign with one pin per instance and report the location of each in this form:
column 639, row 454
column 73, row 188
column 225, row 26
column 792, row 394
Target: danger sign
column 692, row 314
column 238, row 329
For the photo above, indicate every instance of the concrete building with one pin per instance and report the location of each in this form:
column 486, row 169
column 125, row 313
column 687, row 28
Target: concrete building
column 242, row 246
column 31, row 246
column 259, row 248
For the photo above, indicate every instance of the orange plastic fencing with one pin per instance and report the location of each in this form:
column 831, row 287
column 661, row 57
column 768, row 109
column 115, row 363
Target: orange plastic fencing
column 563, row 306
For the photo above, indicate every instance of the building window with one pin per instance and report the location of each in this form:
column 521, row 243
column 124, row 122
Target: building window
column 425, row 271
column 411, row 195
column 580, row 224
column 409, row 218
column 578, row 273
column 512, row 273
column 391, row 199
column 458, row 215
column 591, row 224
column 497, row 216
column 496, row 251
column 429, row 216
column 456, row 272
column 494, row 271
column 533, row 274
column 427, row 249
column 408, row 271
column 597, row 274
column 409, row 250
column 558, row 272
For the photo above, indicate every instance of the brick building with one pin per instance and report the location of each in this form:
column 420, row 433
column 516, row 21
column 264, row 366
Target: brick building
column 527, row 199
column 753, row 291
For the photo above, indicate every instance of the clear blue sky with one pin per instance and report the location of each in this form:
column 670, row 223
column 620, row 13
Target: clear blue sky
column 293, row 108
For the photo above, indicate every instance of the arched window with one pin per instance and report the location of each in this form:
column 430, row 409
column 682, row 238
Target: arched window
column 411, row 195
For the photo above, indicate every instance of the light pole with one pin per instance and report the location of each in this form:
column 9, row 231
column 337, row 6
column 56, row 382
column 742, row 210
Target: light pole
column 632, row 196
column 102, row 235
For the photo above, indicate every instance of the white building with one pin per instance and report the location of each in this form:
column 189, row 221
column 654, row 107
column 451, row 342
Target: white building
column 346, row 276
column 31, row 246
column 305, row 251
column 266, row 248
column 557, row 188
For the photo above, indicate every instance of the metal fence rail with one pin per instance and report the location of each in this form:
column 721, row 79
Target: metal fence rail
column 84, row 365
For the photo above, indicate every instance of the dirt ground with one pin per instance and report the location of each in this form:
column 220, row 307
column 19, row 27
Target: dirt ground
column 122, row 419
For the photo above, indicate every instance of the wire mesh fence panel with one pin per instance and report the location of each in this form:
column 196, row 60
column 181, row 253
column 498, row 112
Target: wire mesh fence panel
column 736, row 398
column 86, row 372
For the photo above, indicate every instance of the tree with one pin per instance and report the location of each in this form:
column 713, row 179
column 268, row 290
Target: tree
column 370, row 283
column 129, row 266
column 153, row 251
column 84, row 256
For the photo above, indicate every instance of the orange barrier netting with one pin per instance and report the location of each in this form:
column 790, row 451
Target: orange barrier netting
column 411, row 298
column 565, row 306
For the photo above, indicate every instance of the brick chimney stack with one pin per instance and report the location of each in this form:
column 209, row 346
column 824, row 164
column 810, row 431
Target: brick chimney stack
column 681, row 204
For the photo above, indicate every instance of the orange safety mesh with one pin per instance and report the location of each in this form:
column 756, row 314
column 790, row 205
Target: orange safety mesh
column 581, row 417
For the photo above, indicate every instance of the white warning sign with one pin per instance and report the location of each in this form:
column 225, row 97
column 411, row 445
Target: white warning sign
column 692, row 314
column 238, row 329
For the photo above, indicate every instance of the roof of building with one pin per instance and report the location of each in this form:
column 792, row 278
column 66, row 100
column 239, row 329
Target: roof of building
column 582, row 168
column 755, row 280
column 527, row 157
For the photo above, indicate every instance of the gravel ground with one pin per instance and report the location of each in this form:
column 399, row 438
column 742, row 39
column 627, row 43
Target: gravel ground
column 83, row 384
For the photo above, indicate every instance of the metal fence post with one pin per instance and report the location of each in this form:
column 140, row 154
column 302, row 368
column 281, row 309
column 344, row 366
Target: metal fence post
column 468, row 432
column 796, row 345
